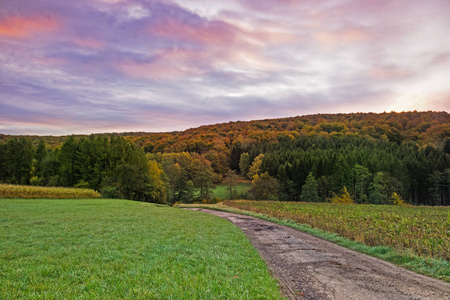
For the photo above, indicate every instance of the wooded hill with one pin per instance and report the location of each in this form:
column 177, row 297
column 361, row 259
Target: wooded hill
column 311, row 158
column 420, row 127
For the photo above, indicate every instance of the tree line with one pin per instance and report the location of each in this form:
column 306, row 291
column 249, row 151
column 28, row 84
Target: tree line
column 322, row 168
column 362, row 158
column 112, row 166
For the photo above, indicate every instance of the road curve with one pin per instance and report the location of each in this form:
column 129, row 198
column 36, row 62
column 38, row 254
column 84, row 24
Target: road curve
column 311, row 268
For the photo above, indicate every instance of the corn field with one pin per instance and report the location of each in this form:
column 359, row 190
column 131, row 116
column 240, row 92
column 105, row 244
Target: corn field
column 425, row 231
column 38, row 192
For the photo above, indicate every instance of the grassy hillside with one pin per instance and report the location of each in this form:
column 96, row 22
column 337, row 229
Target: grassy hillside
column 117, row 249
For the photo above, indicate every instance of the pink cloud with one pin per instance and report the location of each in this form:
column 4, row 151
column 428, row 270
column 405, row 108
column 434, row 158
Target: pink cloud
column 89, row 43
column 170, row 65
column 332, row 38
column 22, row 27
column 390, row 72
column 218, row 33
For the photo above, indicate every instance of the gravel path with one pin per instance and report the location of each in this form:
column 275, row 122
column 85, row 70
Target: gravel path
column 311, row 268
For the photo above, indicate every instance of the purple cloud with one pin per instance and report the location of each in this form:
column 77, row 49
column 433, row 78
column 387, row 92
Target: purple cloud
column 124, row 65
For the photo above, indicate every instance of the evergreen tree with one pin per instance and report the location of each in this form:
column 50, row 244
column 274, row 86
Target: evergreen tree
column 361, row 183
column 310, row 189
column 377, row 193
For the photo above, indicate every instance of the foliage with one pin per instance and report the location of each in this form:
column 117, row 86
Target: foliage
column 310, row 189
column 373, row 155
column 38, row 192
column 255, row 168
column 244, row 163
column 397, row 200
column 343, row 198
column 118, row 249
column 422, row 230
column 264, row 187
column 186, row 172
column 114, row 166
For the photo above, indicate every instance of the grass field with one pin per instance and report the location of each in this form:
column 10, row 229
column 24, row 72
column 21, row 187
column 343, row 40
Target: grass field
column 39, row 192
column 110, row 249
column 223, row 191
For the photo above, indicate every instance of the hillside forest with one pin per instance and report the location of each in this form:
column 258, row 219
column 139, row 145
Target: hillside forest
column 387, row 158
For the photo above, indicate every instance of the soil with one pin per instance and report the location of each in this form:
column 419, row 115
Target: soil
column 308, row 267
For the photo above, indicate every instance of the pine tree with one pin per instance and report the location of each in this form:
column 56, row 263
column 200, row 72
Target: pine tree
column 310, row 189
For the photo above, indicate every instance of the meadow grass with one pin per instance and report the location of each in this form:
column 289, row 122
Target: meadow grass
column 434, row 267
column 110, row 249
column 223, row 191
column 39, row 192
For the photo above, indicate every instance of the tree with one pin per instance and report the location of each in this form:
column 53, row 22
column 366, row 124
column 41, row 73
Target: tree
column 326, row 187
column 310, row 189
column 264, row 187
column 244, row 163
column 436, row 191
column 361, row 183
column 232, row 178
column 287, row 191
column 377, row 190
column 201, row 174
column 69, row 160
column 344, row 198
column 18, row 164
column 131, row 184
column 156, row 187
column 397, row 200
column 447, row 145
column 255, row 168
column 219, row 161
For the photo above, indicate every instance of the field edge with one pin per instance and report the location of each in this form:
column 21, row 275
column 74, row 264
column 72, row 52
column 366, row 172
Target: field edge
column 435, row 268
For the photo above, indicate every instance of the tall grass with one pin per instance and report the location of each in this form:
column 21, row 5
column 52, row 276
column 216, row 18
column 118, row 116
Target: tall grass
column 120, row 249
column 39, row 192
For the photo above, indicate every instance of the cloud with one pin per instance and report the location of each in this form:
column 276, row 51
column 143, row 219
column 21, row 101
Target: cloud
column 25, row 27
column 164, row 65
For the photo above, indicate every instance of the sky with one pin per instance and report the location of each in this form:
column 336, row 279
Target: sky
column 92, row 66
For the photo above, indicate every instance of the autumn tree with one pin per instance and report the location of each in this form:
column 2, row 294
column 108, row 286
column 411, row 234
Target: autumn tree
column 343, row 198
column 255, row 168
column 244, row 163
column 264, row 187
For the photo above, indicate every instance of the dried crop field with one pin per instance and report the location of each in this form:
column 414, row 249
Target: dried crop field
column 39, row 192
column 424, row 231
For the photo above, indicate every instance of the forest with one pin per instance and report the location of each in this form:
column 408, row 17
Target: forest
column 387, row 158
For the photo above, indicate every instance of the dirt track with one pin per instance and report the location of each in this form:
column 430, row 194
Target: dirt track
column 311, row 268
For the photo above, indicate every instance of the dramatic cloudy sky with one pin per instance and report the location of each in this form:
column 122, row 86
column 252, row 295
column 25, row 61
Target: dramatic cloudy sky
column 146, row 65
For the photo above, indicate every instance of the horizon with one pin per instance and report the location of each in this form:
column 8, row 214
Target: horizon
column 214, row 124
column 160, row 66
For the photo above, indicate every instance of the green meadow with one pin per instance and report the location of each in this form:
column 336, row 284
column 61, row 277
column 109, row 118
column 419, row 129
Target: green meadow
column 110, row 249
column 223, row 191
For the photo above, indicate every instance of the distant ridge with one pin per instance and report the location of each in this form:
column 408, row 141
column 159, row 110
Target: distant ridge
column 420, row 127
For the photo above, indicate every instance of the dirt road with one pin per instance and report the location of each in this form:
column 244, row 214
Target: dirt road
column 311, row 268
